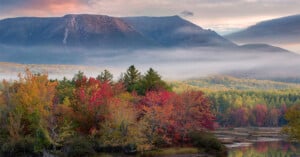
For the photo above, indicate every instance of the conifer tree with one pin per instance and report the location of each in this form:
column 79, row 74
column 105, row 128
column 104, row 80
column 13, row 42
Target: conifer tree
column 131, row 78
column 105, row 76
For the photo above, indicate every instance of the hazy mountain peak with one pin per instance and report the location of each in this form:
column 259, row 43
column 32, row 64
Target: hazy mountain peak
column 176, row 31
column 275, row 31
column 278, row 21
column 80, row 30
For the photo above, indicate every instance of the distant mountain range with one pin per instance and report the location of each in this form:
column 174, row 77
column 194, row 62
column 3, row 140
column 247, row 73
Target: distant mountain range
column 283, row 31
column 170, row 43
column 101, row 31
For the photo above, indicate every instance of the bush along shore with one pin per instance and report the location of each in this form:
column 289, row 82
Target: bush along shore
column 202, row 143
column 86, row 116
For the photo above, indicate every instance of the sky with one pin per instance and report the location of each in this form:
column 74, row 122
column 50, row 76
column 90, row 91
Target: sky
column 223, row 16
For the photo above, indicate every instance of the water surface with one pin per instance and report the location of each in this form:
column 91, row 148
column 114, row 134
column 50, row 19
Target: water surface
column 267, row 149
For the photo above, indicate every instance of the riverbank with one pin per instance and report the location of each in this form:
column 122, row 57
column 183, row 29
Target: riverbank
column 243, row 137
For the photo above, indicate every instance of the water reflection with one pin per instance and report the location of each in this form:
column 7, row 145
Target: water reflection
column 267, row 149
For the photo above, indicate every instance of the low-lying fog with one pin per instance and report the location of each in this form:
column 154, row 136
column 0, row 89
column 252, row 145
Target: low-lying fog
column 172, row 64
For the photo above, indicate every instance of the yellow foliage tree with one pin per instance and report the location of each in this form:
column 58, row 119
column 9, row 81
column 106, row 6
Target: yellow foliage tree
column 293, row 126
column 121, row 127
column 29, row 103
column 35, row 93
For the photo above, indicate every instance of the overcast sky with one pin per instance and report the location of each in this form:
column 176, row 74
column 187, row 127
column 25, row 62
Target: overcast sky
column 222, row 16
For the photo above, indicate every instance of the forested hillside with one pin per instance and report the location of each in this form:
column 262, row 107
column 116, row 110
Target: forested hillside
column 253, row 108
column 245, row 102
column 223, row 82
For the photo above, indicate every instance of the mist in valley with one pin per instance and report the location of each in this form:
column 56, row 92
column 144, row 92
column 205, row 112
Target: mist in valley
column 171, row 63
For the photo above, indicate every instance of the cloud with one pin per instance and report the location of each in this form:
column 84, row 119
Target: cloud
column 207, row 13
column 12, row 8
column 186, row 13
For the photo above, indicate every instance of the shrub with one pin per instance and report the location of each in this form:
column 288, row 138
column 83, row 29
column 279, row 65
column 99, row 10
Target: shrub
column 78, row 147
column 21, row 148
column 208, row 142
column 3, row 136
column 102, row 148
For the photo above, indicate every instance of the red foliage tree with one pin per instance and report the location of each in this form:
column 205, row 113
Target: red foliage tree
column 240, row 116
column 175, row 115
column 260, row 112
column 191, row 111
column 156, row 108
column 89, row 104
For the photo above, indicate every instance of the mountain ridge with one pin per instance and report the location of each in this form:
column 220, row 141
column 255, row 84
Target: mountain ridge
column 172, row 32
column 280, row 30
column 91, row 30
column 81, row 30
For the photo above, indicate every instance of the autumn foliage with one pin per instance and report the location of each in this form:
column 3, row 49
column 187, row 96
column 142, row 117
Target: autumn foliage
column 252, row 108
column 175, row 115
column 52, row 113
column 89, row 103
column 138, row 112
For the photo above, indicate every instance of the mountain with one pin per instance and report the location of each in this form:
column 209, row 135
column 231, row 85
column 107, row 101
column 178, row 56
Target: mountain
column 106, row 32
column 95, row 34
column 283, row 32
column 175, row 31
column 285, row 29
column 70, row 30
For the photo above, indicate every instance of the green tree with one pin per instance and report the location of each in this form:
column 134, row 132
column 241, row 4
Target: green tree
column 79, row 76
column 105, row 76
column 131, row 78
column 152, row 82
column 64, row 89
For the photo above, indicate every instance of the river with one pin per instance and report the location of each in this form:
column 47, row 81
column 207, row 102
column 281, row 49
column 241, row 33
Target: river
column 266, row 149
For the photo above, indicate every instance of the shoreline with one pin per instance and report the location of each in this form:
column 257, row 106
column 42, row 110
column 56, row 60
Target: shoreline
column 245, row 137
